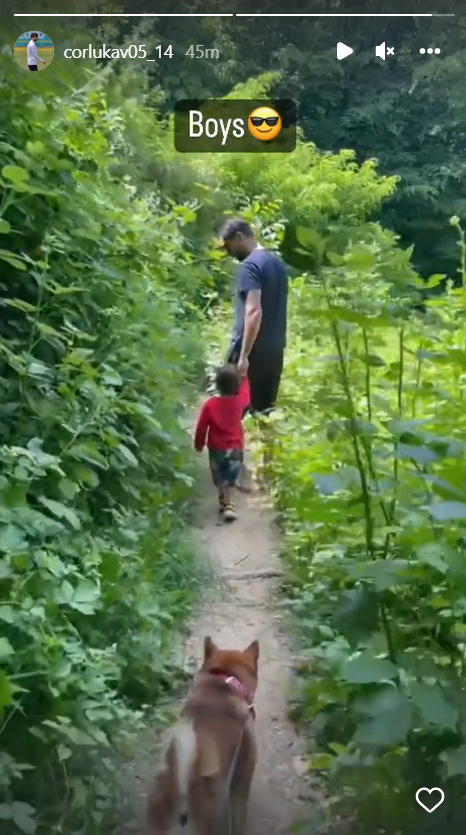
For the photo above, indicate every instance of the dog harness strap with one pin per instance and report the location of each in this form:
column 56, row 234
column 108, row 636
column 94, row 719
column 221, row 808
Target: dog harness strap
column 242, row 691
column 231, row 770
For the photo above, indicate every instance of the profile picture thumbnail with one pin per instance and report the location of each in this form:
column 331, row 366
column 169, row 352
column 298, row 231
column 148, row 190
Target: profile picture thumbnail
column 34, row 50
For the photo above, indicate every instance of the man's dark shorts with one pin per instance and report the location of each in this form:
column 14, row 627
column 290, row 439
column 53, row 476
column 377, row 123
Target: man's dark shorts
column 225, row 466
column 265, row 372
column 264, row 375
column 32, row 67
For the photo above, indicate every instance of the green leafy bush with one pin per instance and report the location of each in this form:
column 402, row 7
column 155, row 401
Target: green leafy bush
column 370, row 478
column 99, row 348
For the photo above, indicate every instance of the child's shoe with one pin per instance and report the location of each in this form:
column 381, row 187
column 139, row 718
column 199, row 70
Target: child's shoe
column 229, row 514
column 221, row 504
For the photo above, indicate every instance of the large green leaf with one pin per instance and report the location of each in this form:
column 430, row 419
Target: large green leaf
column 433, row 705
column 5, row 648
column 383, row 573
column 68, row 488
column 455, row 759
column 389, row 719
column 51, row 562
column 357, row 614
column 64, row 594
column 12, row 538
column 310, row 240
column 7, row 613
column 372, row 360
column 15, row 174
column 128, row 455
column 367, row 668
column 88, row 451
column 61, row 511
column 445, row 488
column 328, row 483
column 40, row 370
column 433, row 554
column 12, row 259
column 447, row 511
column 21, row 304
column 85, row 597
column 420, row 454
column 23, row 817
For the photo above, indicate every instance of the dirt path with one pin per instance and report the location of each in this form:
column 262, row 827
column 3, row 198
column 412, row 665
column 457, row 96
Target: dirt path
column 245, row 611
column 239, row 608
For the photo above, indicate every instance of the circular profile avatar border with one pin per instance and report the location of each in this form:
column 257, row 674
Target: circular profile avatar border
column 34, row 50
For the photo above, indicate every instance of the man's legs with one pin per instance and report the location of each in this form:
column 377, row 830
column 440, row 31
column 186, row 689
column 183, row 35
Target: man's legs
column 32, row 67
column 264, row 380
column 264, row 384
column 244, row 482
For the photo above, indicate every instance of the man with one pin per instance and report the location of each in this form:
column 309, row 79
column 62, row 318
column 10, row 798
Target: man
column 259, row 333
column 32, row 55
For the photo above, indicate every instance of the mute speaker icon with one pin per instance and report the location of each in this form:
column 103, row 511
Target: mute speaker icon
column 380, row 51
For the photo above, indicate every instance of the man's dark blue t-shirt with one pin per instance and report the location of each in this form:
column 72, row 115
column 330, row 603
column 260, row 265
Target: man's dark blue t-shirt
column 264, row 271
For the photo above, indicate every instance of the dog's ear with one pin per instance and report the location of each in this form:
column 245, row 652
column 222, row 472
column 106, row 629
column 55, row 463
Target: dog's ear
column 253, row 651
column 209, row 647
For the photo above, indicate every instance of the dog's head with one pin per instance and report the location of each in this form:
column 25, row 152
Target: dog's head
column 243, row 664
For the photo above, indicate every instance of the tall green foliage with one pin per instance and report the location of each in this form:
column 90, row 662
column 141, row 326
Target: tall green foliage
column 98, row 352
column 408, row 112
column 104, row 267
column 370, row 476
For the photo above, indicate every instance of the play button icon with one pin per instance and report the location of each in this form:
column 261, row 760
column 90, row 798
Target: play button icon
column 343, row 51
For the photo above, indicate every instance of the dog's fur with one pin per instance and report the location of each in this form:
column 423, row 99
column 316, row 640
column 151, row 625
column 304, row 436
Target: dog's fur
column 210, row 756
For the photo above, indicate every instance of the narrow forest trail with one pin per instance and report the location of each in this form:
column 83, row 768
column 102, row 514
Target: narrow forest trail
column 242, row 555
column 238, row 608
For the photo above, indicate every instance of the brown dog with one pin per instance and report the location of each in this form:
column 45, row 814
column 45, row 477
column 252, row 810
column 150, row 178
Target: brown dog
column 210, row 756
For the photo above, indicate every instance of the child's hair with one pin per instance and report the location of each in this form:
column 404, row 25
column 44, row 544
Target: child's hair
column 227, row 379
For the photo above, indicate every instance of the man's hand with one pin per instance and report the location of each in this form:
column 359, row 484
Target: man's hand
column 243, row 365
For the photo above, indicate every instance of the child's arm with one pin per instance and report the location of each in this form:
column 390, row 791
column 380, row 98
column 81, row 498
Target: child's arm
column 244, row 393
column 202, row 428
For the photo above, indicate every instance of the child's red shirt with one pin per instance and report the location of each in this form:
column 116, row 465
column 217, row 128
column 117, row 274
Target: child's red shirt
column 219, row 423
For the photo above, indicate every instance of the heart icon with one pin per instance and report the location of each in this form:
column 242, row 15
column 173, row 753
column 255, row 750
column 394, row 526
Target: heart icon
column 442, row 798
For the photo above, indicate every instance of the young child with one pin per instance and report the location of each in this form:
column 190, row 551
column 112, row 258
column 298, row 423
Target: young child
column 219, row 426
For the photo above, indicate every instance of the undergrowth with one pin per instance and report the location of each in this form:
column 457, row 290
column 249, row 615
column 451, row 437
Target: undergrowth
column 106, row 276
column 369, row 480
column 99, row 353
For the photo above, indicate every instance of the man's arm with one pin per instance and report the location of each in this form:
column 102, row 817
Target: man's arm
column 36, row 54
column 251, row 284
column 252, row 323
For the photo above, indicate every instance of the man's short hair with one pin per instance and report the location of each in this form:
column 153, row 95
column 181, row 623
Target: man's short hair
column 34, row 34
column 236, row 227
